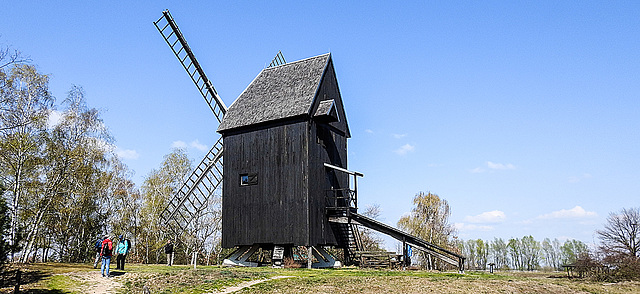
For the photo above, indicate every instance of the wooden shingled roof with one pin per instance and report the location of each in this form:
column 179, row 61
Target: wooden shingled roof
column 277, row 93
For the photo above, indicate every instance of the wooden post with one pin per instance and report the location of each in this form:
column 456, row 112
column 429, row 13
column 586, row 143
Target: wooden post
column 355, row 189
column 309, row 256
column 404, row 253
column 16, row 290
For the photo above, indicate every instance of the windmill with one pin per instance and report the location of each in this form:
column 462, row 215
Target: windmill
column 286, row 182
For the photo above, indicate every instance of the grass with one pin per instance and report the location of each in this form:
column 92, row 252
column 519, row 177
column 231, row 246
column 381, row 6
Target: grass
column 62, row 278
column 50, row 278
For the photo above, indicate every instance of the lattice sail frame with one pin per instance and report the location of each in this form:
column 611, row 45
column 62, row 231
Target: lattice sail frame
column 192, row 198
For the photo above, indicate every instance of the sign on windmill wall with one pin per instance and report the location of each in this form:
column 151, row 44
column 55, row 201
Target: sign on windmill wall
column 278, row 256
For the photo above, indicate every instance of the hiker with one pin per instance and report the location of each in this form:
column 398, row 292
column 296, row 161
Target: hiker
column 107, row 248
column 168, row 249
column 97, row 247
column 122, row 249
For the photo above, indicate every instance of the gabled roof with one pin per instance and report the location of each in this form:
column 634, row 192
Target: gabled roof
column 277, row 93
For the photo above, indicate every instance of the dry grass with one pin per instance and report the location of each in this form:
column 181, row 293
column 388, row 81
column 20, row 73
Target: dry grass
column 183, row 279
column 422, row 282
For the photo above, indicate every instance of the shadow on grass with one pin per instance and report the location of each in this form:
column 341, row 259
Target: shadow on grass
column 26, row 277
column 116, row 273
column 42, row 291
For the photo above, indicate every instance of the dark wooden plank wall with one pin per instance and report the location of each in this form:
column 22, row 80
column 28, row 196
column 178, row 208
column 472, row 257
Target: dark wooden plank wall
column 320, row 181
column 276, row 209
column 328, row 145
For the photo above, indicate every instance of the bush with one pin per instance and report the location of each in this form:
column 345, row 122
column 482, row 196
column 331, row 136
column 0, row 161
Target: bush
column 612, row 268
column 623, row 267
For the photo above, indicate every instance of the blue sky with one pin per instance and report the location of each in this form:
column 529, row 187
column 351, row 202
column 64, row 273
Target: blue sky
column 524, row 115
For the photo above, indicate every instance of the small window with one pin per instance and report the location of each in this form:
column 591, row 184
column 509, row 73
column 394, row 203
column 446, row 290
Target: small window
column 248, row 179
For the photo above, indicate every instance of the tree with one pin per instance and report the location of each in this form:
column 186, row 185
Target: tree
column 25, row 103
column 572, row 250
column 500, row 253
column 429, row 220
column 515, row 252
column 552, row 253
column 157, row 189
column 369, row 238
column 124, row 208
column 530, row 252
column 10, row 56
column 621, row 233
column 4, row 229
column 74, row 180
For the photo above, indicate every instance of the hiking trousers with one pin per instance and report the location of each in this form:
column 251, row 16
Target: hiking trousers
column 106, row 262
column 120, row 261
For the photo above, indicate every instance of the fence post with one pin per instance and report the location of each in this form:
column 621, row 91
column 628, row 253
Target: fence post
column 16, row 290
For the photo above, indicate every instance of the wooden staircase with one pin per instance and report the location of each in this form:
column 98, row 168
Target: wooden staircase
column 347, row 237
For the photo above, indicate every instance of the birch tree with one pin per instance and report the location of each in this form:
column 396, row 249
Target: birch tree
column 25, row 102
column 156, row 191
column 429, row 220
column 72, row 183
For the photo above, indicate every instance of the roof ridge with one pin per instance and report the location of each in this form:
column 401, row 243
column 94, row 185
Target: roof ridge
column 284, row 93
column 301, row 60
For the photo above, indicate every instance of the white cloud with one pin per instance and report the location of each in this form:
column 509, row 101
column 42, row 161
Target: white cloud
column 462, row 227
column 495, row 216
column 399, row 136
column 196, row 144
column 368, row 131
column 404, row 149
column 127, row 154
column 500, row 166
column 576, row 212
column 493, row 166
column 178, row 144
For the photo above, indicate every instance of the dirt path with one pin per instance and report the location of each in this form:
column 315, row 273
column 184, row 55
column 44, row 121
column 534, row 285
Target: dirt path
column 248, row 284
column 93, row 282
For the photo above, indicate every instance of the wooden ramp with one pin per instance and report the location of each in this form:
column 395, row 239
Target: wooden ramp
column 417, row 243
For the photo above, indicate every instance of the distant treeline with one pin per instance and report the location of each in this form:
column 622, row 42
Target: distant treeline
column 521, row 254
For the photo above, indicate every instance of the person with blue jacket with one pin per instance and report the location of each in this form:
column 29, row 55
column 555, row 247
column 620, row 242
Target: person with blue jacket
column 123, row 248
column 98, row 248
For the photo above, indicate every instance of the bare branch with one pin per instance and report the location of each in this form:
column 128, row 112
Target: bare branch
column 9, row 57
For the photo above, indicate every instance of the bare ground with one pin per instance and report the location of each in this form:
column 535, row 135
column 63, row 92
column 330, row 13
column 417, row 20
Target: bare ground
column 247, row 285
column 94, row 282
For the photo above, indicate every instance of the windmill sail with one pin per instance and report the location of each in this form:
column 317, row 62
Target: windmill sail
column 172, row 35
column 192, row 197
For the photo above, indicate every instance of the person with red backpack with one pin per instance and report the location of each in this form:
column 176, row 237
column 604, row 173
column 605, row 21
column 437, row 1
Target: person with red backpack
column 105, row 252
